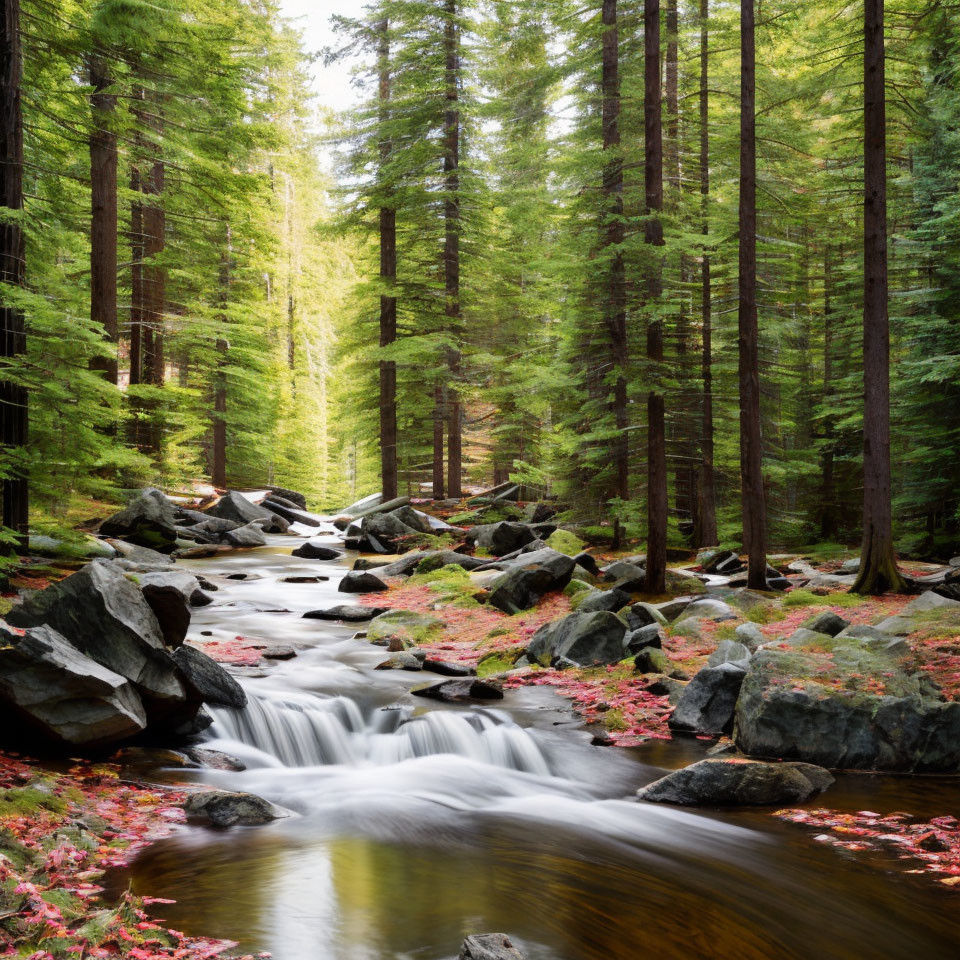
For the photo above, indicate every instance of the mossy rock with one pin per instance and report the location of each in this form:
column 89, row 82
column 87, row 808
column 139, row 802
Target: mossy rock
column 566, row 542
column 575, row 587
column 405, row 626
column 498, row 661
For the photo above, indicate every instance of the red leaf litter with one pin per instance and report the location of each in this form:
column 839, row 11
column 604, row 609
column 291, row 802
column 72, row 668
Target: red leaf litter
column 58, row 835
column 934, row 845
column 239, row 652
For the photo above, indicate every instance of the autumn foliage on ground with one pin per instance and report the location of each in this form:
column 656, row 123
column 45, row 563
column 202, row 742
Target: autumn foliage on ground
column 59, row 833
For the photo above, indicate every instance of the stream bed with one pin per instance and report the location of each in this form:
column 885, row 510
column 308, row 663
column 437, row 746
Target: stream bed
column 414, row 824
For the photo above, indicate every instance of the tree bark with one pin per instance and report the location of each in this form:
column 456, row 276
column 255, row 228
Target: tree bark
column 828, row 508
column 707, row 514
column 388, row 302
column 103, row 219
column 438, row 418
column 13, row 340
column 616, row 305
column 154, row 277
column 656, row 434
column 751, row 439
column 672, row 93
column 878, row 562
column 218, row 472
column 451, row 246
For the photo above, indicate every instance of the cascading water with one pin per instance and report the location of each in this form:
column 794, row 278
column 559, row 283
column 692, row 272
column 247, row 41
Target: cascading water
column 310, row 731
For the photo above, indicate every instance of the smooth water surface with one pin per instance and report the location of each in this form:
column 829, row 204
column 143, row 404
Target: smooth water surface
column 414, row 825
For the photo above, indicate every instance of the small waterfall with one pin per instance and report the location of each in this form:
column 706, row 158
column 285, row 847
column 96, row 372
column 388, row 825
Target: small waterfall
column 309, row 731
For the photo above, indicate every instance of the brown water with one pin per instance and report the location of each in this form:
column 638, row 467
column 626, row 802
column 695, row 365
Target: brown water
column 395, row 858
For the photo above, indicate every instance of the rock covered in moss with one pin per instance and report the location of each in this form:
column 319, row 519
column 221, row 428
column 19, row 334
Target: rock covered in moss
column 846, row 702
column 403, row 625
column 566, row 542
column 148, row 520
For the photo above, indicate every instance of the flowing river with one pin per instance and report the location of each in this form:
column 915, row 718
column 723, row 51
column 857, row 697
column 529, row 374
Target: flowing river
column 413, row 825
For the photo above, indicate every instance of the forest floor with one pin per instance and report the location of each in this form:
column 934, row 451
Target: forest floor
column 63, row 826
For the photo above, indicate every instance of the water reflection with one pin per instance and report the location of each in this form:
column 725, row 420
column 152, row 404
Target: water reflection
column 404, row 842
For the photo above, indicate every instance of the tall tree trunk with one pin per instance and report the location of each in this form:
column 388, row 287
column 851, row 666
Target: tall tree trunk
column 616, row 305
column 707, row 514
column 218, row 471
column 751, row 439
column 878, row 562
column 656, row 434
column 388, row 302
column 439, row 408
column 828, row 507
column 672, row 93
column 13, row 341
column 451, row 245
column 103, row 221
column 135, row 426
column 291, row 293
column 154, row 277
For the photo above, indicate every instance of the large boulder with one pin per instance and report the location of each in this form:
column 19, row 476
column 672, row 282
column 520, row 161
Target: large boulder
column 207, row 681
column 828, row 622
column 386, row 530
column 529, row 577
column 235, row 506
column 651, row 635
column 106, row 617
column 148, row 519
column 489, row 946
column 707, row 704
column 726, row 781
column 501, row 538
column 413, row 518
column 855, row 705
column 170, row 595
column 60, row 694
column 586, row 639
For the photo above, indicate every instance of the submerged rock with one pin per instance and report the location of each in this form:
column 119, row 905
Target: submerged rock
column 346, row 612
column 458, row 691
column 221, row 808
column 316, row 551
column 61, row 694
column 489, row 946
column 726, row 781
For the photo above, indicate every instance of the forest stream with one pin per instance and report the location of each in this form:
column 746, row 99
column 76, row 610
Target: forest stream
column 412, row 825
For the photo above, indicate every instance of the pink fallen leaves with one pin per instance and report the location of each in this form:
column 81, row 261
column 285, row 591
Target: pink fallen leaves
column 933, row 844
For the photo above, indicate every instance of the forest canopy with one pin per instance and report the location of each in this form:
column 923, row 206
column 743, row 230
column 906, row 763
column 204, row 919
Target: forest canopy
column 526, row 262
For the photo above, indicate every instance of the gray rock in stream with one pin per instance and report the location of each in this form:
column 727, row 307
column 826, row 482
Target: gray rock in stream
column 222, row 808
column 235, row 506
column 489, row 946
column 316, row 551
column 207, row 681
column 361, row 582
column 347, row 613
column 738, row 782
column 170, row 596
